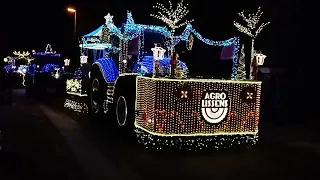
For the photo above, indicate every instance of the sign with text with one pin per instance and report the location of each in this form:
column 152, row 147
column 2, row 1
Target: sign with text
column 201, row 106
column 214, row 106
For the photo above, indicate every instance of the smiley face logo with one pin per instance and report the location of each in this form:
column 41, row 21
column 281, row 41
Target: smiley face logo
column 214, row 106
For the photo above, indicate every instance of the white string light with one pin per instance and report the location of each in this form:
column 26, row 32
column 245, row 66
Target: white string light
column 83, row 59
column 48, row 48
column 251, row 30
column 169, row 113
column 252, row 20
column 172, row 17
column 67, row 62
column 73, row 85
column 21, row 54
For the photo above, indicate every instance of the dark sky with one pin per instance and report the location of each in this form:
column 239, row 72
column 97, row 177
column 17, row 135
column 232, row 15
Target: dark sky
column 31, row 25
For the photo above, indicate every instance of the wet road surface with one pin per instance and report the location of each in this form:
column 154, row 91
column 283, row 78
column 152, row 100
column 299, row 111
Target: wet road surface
column 44, row 140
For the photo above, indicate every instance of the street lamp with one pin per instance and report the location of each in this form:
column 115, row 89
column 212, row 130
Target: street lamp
column 72, row 10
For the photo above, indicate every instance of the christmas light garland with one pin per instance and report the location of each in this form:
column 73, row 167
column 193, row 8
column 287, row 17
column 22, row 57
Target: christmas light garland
column 74, row 85
column 172, row 16
column 252, row 20
column 133, row 30
column 241, row 72
column 251, row 30
column 172, row 108
column 196, row 143
column 48, row 52
column 76, row 106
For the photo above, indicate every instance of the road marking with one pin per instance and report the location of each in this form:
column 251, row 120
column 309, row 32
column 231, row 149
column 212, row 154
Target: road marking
column 93, row 162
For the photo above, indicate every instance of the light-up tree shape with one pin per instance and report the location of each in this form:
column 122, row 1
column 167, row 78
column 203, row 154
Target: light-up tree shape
column 48, row 48
column 252, row 29
column 173, row 18
column 241, row 72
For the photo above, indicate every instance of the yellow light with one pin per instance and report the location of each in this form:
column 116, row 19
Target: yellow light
column 123, row 55
column 252, row 20
column 79, row 107
column 172, row 17
column 71, row 10
column 241, row 71
column 162, row 113
column 184, row 94
column 74, row 85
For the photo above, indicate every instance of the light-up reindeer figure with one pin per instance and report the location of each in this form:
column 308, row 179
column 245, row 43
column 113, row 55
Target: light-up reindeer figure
column 22, row 69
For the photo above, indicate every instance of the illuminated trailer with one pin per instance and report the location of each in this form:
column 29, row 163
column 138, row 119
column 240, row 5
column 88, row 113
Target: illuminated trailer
column 195, row 113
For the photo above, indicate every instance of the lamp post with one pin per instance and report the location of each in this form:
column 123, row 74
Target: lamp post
column 66, row 62
column 158, row 54
column 72, row 10
column 260, row 58
column 257, row 61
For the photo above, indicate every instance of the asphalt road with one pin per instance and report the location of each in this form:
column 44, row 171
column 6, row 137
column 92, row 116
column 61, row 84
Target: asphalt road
column 44, row 140
column 31, row 146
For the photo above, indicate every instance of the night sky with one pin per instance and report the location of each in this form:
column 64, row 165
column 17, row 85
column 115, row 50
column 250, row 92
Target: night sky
column 32, row 25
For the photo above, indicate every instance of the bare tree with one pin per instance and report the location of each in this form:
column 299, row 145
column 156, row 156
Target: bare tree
column 252, row 21
column 172, row 17
column 252, row 29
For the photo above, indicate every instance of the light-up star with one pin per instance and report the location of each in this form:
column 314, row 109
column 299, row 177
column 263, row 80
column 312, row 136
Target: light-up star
column 108, row 18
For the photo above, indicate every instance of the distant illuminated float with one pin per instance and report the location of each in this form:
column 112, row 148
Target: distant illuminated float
column 48, row 52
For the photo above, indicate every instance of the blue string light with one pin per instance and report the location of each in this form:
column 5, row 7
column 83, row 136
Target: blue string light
column 49, row 67
column 148, row 61
column 133, row 30
column 8, row 68
column 46, row 54
column 108, row 68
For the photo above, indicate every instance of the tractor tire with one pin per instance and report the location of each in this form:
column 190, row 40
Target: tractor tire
column 124, row 105
column 96, row 93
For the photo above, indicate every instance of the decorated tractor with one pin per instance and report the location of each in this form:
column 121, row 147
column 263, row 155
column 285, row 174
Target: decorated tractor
column 140, row 82
column 45, row 72
column 112, row 59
